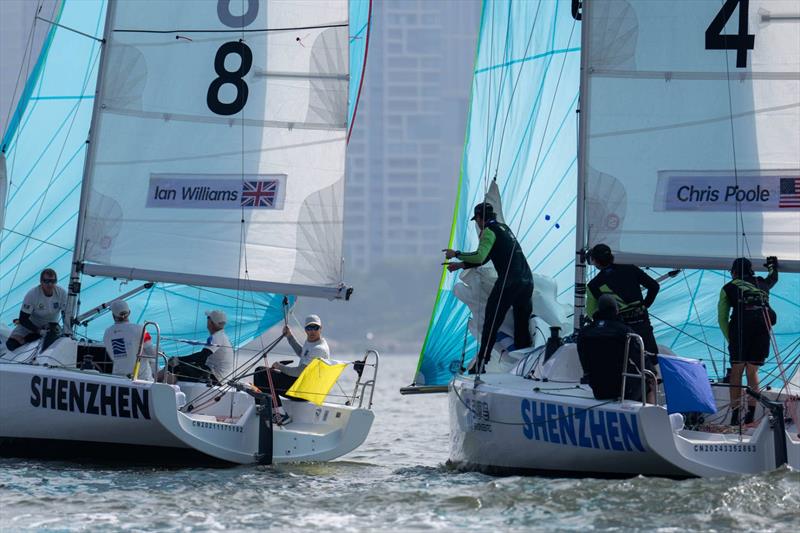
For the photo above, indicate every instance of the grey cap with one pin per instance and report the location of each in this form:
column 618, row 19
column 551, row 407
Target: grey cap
column 313, row 320
column 120, row 308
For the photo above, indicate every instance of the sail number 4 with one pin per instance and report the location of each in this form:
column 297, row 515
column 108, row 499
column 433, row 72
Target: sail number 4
column 741, row 41
column 235, row 77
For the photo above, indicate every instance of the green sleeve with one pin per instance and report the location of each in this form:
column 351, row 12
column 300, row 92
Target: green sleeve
column 723, row 312
column 591, row 303
column 479, row 256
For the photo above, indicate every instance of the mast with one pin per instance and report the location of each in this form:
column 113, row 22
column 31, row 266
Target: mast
column 73, row 301
column 580, row 238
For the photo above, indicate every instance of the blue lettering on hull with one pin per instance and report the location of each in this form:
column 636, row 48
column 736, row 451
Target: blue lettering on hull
column 584, row 428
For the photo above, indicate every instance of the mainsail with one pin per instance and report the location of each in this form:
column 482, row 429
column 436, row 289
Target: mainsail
column 522, row 133
column 45, row 164
column 692, row 152
column 677, row 104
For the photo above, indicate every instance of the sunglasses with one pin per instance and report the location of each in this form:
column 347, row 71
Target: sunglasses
column 312, row 327
column 49, row 281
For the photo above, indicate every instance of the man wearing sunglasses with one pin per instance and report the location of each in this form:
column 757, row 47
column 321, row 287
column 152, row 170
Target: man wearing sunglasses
column 283, row 375
column 42, row 308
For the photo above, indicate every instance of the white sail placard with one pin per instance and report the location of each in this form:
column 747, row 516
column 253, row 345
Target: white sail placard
column 219, row 147
column 692, row 143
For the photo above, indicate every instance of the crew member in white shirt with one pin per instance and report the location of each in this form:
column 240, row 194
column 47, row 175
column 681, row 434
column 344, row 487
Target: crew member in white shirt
column 284, row 376
column 215, row 361
column 42, row 308
column 122, row 339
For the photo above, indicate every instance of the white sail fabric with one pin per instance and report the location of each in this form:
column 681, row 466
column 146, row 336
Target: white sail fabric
column 693, row 143
column 219, row 149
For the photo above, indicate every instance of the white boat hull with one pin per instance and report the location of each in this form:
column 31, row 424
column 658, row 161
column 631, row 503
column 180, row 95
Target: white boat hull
column 44, row 408
column 508, row 424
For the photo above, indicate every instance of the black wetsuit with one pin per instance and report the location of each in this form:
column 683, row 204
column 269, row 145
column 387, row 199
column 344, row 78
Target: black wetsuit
column 513, row 288
column 624, row 283
column 748, row 331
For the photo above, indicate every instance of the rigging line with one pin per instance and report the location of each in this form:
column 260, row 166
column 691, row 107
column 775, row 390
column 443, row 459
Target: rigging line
column 738, row 213
column 711, row 346
column 514, row 88
column 31, row 237
column 500, row 89
column 238, row 30
column 23, row 67
column 577, row 411
column 693, row 306
column 74, row 113
column 73, row 30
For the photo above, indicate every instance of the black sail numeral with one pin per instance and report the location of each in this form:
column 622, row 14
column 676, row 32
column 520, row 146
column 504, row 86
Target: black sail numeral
column 233, row 77
column 741, row 41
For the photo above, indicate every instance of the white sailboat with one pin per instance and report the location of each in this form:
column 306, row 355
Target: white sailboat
column 699, row 96
column 215, row 162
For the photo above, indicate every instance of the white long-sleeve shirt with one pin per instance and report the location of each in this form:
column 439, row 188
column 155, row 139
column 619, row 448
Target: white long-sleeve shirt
column 307, row 353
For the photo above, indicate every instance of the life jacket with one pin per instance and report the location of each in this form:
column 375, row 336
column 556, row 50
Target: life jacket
column 749, row 302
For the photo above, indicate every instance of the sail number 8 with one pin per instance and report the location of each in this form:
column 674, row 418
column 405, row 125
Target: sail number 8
column 234, row 77
column 741, row 41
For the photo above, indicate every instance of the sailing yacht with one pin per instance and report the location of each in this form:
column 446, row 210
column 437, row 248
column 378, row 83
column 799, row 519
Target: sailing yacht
column 686, row 120
column 213, row 152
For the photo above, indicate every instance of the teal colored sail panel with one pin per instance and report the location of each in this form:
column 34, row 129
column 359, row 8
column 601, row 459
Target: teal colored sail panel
column 522, row 132
column 360, row 20
column 46, row 150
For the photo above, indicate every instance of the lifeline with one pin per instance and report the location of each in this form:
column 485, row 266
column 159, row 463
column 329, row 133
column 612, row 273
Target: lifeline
column 90, row 398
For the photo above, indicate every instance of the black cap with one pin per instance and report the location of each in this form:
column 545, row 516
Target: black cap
column 601, row 252
column 742, row 267
column 483, row 210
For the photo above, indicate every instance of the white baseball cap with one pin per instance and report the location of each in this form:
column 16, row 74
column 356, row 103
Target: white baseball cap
column 120, row 308
column 217, row 317
column 313, row 320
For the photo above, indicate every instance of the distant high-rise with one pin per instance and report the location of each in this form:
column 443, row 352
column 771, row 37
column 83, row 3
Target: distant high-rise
column 405, row 151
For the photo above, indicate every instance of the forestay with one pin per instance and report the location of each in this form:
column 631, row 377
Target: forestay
column 521, row 131
column 218, row 152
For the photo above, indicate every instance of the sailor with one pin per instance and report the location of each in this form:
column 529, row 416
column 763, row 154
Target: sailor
column 514, row 285
column 122, row 340
column 746, row 320
column 214, row 363
column 42, row 308
column 600, row 349
column 284, row 375
column 624, row 283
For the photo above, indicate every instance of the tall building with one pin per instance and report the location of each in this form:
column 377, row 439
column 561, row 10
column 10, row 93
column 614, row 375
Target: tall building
column 405, row 151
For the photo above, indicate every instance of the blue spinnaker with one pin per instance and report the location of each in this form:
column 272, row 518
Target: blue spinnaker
column 521, row 132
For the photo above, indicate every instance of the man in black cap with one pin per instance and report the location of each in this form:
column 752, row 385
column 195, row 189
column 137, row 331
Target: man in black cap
column 624, row 283
column 747, row 327
column 514, row 285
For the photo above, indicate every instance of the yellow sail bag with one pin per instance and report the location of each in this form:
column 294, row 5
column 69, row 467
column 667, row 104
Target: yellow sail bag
column 316, row 381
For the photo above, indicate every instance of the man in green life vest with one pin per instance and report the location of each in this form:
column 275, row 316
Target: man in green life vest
column 624, row 283
column 514, row 285
column 746, row 320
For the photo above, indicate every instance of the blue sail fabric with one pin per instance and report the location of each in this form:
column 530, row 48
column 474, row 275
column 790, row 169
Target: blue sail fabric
column 522, row 131
column 46, row 148
column 360, row 11
column 686, row 385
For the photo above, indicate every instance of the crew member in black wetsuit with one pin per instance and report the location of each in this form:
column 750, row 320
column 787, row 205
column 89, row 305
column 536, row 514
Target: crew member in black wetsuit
column 624, row 283
column 514, row 285
column 747, row 328
column 600, row 348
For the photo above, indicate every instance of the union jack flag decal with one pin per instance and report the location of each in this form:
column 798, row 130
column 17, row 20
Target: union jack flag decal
column 263, row 193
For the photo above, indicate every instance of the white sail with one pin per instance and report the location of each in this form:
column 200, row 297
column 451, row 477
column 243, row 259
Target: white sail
column 219, row 145
column 692, row 144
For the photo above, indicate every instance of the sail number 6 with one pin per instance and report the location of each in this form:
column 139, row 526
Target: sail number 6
column 235, row 77
column 741, row 41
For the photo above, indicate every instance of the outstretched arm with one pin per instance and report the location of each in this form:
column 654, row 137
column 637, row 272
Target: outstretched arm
column 481, row 255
